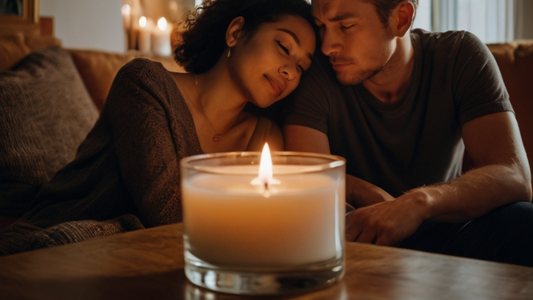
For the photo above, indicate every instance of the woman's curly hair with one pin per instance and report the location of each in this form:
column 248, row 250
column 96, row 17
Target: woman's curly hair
column 203, row 40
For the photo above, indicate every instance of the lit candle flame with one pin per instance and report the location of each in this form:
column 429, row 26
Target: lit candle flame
column 265, row 176
column 162, row 23
column 142, row 21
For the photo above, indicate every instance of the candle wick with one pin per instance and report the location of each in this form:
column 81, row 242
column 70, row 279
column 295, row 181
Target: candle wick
column 266, row 192
column 265, row 183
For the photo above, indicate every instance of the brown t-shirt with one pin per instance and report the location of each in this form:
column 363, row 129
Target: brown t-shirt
column 417, row 142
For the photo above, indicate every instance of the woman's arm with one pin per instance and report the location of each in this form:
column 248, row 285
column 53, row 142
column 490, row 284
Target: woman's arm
column 152, row 131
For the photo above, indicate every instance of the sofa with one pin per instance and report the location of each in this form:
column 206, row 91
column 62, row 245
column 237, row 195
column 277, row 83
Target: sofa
column 58, row 93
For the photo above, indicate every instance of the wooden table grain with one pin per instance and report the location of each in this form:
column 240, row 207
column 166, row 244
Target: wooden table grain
column 148, row 264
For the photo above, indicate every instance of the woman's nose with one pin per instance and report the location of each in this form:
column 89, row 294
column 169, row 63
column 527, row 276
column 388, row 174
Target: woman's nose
column 287, row 72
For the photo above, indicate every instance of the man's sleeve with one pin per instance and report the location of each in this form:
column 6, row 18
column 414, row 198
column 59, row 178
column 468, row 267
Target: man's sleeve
column 478, row 85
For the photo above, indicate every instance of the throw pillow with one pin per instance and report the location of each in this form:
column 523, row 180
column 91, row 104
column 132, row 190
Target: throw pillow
column 45, row 113
column 99, row 68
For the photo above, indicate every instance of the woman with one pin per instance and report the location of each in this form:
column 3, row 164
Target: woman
column 126, row 173
column 261, row 62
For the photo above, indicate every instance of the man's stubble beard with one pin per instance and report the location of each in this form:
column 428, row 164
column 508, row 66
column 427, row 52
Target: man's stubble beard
column 357, row 77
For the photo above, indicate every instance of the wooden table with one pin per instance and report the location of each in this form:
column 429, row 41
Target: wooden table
column 148, row 264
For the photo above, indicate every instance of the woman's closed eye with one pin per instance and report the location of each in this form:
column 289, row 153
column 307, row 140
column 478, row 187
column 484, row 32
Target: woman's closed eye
column 286, row 50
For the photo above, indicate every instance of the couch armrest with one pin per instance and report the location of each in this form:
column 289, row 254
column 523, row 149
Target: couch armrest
column 97, row 70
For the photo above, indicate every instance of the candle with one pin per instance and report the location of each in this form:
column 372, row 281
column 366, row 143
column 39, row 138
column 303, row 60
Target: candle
column 267, row 223
column 241, row 221
column 126, row 14
column 145, row 35
column 134, row 15
column 234, row 224
column 161, row 38
column 126, row 19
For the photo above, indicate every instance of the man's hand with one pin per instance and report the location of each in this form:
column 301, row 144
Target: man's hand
column 387, row 223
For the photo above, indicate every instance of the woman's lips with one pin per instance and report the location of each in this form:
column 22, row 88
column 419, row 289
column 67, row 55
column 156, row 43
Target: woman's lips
column 276, row 86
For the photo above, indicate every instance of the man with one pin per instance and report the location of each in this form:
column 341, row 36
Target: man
column 402, row 106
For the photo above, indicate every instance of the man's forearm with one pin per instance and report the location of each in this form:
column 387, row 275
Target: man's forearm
column 473, row 194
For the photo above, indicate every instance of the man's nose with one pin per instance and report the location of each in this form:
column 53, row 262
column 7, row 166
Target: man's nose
column 331, row 42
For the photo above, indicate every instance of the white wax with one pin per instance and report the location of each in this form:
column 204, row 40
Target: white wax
column 145, row 37
column 126, row 16
column 161, row 40
column 135, row 14
column 229, row 222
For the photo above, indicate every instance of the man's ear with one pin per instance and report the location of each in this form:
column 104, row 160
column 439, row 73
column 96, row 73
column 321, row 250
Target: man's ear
column 401, row 18
column 234, row 31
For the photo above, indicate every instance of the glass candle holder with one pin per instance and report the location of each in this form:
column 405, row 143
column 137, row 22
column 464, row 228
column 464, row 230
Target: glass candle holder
column 248, row 234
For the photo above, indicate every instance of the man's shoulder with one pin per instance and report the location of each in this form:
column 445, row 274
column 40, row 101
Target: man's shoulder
column 439, row 37
column 448, row 42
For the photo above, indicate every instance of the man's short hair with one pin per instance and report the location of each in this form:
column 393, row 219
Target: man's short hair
column 384, row 8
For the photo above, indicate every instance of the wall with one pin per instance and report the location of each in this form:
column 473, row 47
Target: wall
column 94, row 24
column 491, row 20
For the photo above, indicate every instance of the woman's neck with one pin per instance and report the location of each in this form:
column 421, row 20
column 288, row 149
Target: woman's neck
column 216, row 105
column 220, row 98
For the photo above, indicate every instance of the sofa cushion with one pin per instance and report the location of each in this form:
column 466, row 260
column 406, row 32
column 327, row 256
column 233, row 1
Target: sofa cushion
column 45, row 113
column 98, row 69
column 15, row 47
column 39, row 42
column 12, row 50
